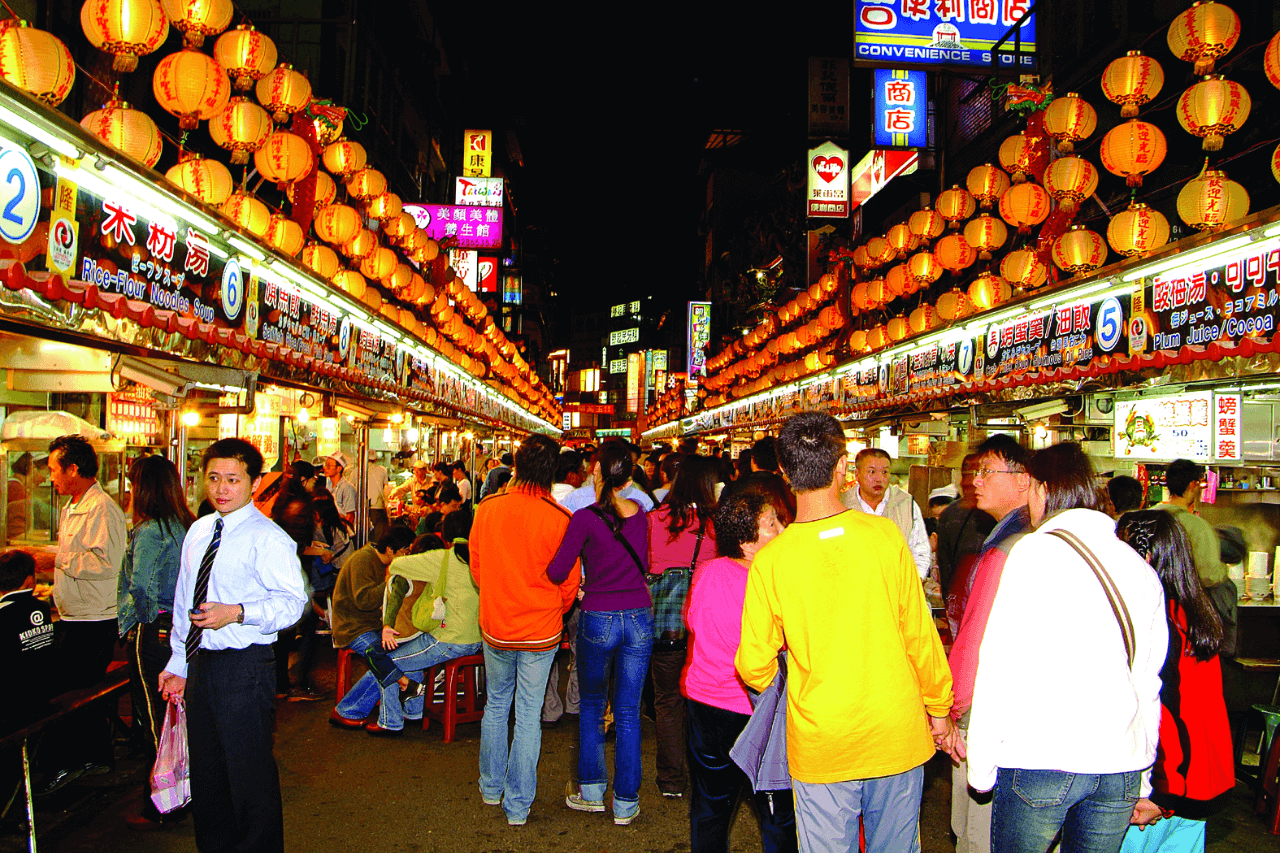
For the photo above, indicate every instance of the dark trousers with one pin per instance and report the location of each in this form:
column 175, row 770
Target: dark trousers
column 84, row 649
column 668, row 704
column 718, row 784
column 235, row 785
column 149, row 653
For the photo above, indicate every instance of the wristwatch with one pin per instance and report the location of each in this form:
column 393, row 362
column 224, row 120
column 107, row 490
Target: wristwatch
column 240, row 618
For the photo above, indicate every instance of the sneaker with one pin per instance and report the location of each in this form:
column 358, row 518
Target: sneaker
column 517, row 821
column 675, row 795
column 578, row 804
column 304, row 694
column 626, row 821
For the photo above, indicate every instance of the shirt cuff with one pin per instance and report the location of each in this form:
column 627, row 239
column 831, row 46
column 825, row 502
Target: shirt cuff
column 177, row 665
column 253, row 613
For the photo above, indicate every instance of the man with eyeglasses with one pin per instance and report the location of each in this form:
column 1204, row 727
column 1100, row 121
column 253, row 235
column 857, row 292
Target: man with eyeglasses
column 1000, row 486
column 873, row 496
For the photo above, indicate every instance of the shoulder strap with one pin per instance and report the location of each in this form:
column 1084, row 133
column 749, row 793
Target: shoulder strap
column 1108, row 586
column 697, row 549
column 617, row 534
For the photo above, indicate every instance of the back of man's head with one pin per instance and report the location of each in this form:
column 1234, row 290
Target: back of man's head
column 449, row 493
column 536, row 461
column 397, row 537
column 1180, row 474
column 764, row 454
column 506, row 459
column 568, row 464
column 15, row 568
column 1125, row 493
column 810, row 447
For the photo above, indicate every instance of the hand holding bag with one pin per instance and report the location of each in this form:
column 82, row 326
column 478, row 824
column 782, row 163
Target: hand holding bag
column 171, row 774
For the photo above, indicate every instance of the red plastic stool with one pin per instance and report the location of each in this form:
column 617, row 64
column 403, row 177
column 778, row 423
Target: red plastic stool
column 460, row 701
column 1268, row 802
column 345, row 658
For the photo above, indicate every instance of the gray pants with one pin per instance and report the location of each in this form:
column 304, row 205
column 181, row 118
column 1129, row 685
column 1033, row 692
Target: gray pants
column 827, row 813
column 552, row 707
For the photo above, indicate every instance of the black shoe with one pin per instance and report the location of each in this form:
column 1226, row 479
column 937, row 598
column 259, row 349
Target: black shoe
column 304, row 694
column 92, row 769
column 413, row 691
column 60, row 780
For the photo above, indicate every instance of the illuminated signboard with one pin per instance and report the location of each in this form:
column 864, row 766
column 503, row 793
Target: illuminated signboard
column 1228, row 427
column 512, row 293
column 876, row 170
column 699, row 337
column 465, row 263
column 942, row 33
column 478, row 192
column 901, row 109
column 477, row 153
column 624, row 336
column 618, row 365
column 828, row 97
column 635, row 373
column 1159, row 428
column 474, row 227
column 618, row 310
column 828, row 195
column 488, row 275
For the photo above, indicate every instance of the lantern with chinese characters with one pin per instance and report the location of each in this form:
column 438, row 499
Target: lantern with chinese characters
column 430, row 251
column 862, row 259
column 247, row 212
column 384, row 207
column 360, row 246
column 1131, row 81
column 337, row 224
column 1133, row 149
column 954, row 252
column 860, row 296
column 858, row 340
column 902, row 240
column 1213, row 108
column 923, row 270
column 988, row 290
column 321, row 260
column 284, row 158
column 397, row 227
column 1212, row 201
column 956, row 205
column 400, row 277
column 36, row 62
column 1271, row 61
column 285, row 235
column 125, row 28
column 283, row 91
column 1275, row 163
column 1204, row 33
column 830, row 317
column 896, row 281
column 926, row 224
column 366, row 184
column 898, row 328
column 1079, row 250
column 196, row 19
column 986, row 234
column 127, row 130
column 1070, row 180
column 344, row 158
column 326, row 190
column 987, row 183
column 241, row 128
column 877, row 337
column 880, row 251
column 1138, row 231
column 351, row 283
column 378, row 264
column 828, row 284
column 922, row 319
column 878, row 292
column 207, row 180
column 1024, row 206
column 191, row 86
column 247, row 54
column 1016, row 156
column 1023, row 269
column 952, row 305
column 1069, row 120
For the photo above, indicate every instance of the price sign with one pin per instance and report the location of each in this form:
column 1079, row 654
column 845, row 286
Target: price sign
column 19, row 195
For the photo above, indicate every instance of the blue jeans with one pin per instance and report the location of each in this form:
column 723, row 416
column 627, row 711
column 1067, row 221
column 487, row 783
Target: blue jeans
column 411, row 657
column 1092, row 810
column 607, row 638
column 512, row 775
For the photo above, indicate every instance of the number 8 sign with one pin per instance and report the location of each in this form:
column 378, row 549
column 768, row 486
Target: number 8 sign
column 19, row 195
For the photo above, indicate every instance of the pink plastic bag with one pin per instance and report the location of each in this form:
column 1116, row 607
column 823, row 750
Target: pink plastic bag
column 171, row 775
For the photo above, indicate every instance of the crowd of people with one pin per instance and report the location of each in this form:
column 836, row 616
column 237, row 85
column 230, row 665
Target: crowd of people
column 776, row 605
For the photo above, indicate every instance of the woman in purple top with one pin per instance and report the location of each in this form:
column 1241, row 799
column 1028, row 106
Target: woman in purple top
column 615, row 628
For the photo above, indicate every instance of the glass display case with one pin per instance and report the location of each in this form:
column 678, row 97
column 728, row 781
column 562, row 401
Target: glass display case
column 28, row 502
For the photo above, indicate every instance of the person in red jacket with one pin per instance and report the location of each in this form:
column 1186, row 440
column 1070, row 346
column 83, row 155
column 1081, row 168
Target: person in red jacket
column 1194, row 766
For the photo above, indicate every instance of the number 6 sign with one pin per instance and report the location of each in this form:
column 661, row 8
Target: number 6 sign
column 19, row 195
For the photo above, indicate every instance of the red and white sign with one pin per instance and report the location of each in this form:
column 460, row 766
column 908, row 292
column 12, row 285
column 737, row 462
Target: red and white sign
column 478, row 192
column 488, row 275
column 1228, row 431
column 876, row 170
column 828, row 196
column 465, row 263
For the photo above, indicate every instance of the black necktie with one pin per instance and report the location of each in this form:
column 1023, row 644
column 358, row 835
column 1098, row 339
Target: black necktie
column 202, row 587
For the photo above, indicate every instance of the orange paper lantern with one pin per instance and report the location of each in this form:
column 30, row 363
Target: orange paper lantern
column 285, row 235
column 207, row 180
column 283, row 91
column 366, row 184
column 1212, row 201
column 1138, row 231
column 898, row 328
column 126, row 29
column 196, row 19
column 989, row 290
column 923, row 319
column 1070, row 180
column 36, row 62
column 129, row 131
column 1133, row 149
column 860, row 296
column 902, row 240
column 378, row 264
column 1016, row 155
column 246, row 54
column 351, row 283
column 344, row 158
column 241, row 128
column 862, row 258
column 1023, row 269
column 926, row 224
column 321, row 260
column 923, row 269
column 337, row 224
column 877, row 337
column 247, row 212
column 360, row 246
column 880, row 251
column 1271, row 61
column 1024, row 206
column 986, row 234
column 878, row 292
column 1275, row 163
column 1203, row 34
column 955, row 205
column 384, row 207
column 1069, row 120
column 191, row 86
column 284, row 158
column 897, row 282
column 987, row 184
column 326, row 190
column 953, row 305
column 1213, row 108
column 954, row 252
column 858, row 340
column 1131, row 81
column 1079, row 250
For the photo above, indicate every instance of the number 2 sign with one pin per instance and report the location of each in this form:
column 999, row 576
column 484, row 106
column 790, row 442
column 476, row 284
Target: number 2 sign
column 19, row 195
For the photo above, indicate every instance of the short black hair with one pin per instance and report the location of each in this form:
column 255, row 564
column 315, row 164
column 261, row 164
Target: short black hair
column 871, row 453
column 448, row 494
column 76, row 450
column 536, row 461
column 456, row 525
column 1125, row 493
column 737, row 521
column 1180, row 474
column 500, row 480
column 442, row 467
column 397, row 536
column 234, row 448
column 810, row 446
column 930, row 526
column 506, row 459
column 15, row 568
column 1006, row 449
column 1068, row 478
column 567, row 463
column 764, row 453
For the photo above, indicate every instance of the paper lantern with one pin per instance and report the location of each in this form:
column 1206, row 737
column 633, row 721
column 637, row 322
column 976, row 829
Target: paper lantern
column 246, row 54
column 1133, row 149
column 384, row 207
column 378, row 264
column 830, row 317
column 862, row 258
column 987, row 184
column 880, row 251
column 414, row 241
column 36, row 62
column 284, row 158
column 1204, row 33
column 399, row 226
column 952, row 305
column 326, row 190
column 902, row 240
column 898, row 328
column 127, row 130
column 344, row 158
column 337, row 224
column 360, row 246
column 860, row 296
column 878, row 292
column 877, row 337
column 828, row 284
column 366, row 184
column 1137, row 231
column 923, row 319
column 321, row 260
column 1023, row 269
column 987, row 291
column 241, row 128
column 285, row 235
column 1024, row 206
column 897, row 282
column 126, row 29
column 1212, row 201
column 1271, row 60
column 1131, row 81
column 1275, row 163
column 1069, row 120
column 430, row 251
column 1213, row 108
column 351, row 283
column 1069, row 181
column 956, row 205
column 926, row 224
column 923, row 270
column 400, row 277
column 1079, row 250
column 954, row 252
column 247, row 212
column 419, row 290
column 1016, row 156
column 985, row 234
column 191, row 86
column 858, row 340
column 196, row 19
column 207, row 180
column 283, row 92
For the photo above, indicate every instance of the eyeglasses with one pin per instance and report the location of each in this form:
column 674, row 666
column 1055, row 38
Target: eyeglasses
column 984, row 473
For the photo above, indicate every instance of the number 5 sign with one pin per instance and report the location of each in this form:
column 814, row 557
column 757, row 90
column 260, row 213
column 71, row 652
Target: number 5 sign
column 19, row 195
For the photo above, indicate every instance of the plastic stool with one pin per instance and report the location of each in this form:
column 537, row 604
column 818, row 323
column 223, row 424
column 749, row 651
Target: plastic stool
column 345, row 658
column 456, row 702
column 1268, row 802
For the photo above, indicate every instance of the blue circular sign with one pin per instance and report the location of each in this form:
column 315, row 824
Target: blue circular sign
column 344, row 338
column 19, row 195
column 232, row 289
column 964, row 356
column 1110, row 324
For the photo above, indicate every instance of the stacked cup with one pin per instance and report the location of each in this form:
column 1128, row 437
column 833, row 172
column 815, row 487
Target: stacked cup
column 1258, row 582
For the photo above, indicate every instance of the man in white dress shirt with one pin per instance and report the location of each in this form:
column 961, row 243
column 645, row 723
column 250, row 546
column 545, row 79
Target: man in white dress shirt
column 240, row 583
column 874, row 495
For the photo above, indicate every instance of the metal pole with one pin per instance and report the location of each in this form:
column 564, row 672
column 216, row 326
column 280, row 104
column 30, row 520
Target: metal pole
column 31, row 808
column 362, row 485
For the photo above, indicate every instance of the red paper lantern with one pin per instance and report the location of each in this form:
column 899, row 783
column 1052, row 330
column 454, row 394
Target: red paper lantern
column 1131, row 81
column 1271, row 60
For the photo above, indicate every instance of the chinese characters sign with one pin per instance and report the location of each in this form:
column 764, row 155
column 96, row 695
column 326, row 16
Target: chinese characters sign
column 901, row 109
column 1166, row 428
column 828, row 195
column 699, row 336
column 477, row 153
column 828, row 97
column 1228, row 429
column 478, row 192
column 474, row 227
column 942, row 33
column 466, row 263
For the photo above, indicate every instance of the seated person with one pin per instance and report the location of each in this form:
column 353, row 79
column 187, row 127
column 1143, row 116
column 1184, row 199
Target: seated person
column 448, row 500
column 414, row 635
column 26, row 641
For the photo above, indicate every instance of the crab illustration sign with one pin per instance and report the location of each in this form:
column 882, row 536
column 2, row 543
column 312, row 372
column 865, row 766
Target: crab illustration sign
column 828, row 195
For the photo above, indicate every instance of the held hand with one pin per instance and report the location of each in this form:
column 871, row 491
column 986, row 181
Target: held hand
column 172, row 687
column 213, row 615
column 1145, row 813
column 389, row 634
column 946, row 737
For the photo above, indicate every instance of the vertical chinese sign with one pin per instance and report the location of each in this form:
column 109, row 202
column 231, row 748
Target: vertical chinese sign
column 699, row 337
column 901, row 109
column 477, row 153
column 828, row 195
column 828, row 98
column 1228, row 430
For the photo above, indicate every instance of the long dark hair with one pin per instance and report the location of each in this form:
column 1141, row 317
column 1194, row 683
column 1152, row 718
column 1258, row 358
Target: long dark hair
column 298, row 472
column 615, row 470
column 292, row 507
column 157, row 493
column 692, row 498
column 328, row 516
column 1161, row 540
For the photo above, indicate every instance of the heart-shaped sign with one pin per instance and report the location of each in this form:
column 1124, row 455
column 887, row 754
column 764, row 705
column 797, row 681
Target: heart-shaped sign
column 828, row 168
column 486, row 269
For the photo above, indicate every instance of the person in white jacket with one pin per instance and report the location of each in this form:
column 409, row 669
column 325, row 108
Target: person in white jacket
column 1066, row 711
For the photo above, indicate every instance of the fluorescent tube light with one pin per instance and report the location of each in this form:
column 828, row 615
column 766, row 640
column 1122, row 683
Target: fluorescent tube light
column 248, row 248
column 35, row 131
column 1200, row 255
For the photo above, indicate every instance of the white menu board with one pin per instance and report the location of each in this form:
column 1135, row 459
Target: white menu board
column 1165, row 428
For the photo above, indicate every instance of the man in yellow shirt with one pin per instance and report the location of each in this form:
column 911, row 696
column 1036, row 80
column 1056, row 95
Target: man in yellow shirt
column 868, row 687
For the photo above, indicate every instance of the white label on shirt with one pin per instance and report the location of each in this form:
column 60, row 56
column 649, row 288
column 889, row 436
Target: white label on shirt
column 835, row 531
